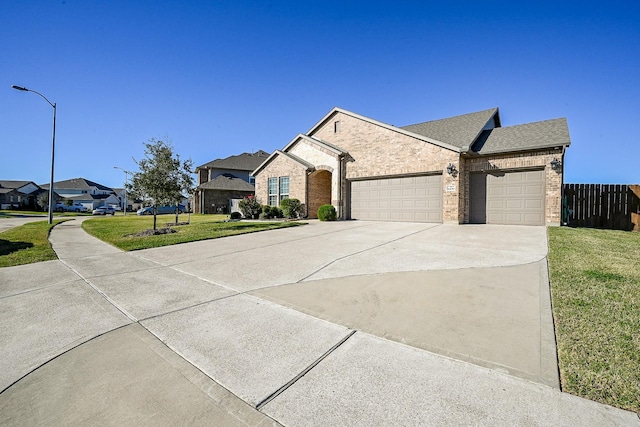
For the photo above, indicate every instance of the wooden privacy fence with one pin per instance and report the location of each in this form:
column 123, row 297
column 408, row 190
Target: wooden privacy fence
column 614, row 207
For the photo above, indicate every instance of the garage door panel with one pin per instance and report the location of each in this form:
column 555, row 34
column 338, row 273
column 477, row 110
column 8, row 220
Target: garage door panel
column 515, row 198
column 398, row 199
column 496, row 191
column 515, row 204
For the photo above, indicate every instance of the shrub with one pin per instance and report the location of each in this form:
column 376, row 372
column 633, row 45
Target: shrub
column 276, row 212
column 292, row 208
column 266, row 212
column 327, row 213
column 250, row 207
column 236, row 215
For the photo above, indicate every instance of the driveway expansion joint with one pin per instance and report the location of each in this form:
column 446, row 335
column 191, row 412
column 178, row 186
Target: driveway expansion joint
column 366, row 250
column 304, row 372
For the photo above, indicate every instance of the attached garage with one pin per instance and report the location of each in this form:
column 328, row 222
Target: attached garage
column 510, row 197
column 411, row 199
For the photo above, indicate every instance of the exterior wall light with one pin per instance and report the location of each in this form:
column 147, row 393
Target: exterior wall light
column 556, row 164
column 452, row 170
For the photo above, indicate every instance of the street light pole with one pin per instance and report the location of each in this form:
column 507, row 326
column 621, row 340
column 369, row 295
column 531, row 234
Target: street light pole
column 53, row 146
column 126, row 180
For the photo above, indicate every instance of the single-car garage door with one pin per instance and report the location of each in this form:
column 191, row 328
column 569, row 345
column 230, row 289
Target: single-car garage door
column 508, row 197
column 414, row 198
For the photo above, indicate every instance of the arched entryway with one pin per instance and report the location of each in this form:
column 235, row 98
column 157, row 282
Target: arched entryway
column 319, row 191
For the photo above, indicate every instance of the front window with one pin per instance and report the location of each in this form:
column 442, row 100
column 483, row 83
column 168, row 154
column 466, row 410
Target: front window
column 273, row 191
column 284, row 187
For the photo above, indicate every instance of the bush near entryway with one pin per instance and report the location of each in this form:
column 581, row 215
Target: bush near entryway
column 327, row 213
column 269, row 212
column 291, row 208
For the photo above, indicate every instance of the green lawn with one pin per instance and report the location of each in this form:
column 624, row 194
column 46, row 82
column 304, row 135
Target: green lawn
column 29, row 243
column 26, row 244
column 119, row 230
column 595, row 287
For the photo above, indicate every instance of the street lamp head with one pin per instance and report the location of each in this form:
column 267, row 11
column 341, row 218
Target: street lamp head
column 20, row 88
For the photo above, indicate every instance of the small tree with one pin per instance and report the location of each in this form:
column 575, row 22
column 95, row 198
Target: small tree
column 163, row 178
column 43, row 199
column 250, row 206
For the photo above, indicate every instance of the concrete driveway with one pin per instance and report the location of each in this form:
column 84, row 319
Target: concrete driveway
column 345, row 323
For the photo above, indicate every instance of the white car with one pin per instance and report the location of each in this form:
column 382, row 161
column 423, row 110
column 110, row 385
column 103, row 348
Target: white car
column 77, row 207
column 104, row 210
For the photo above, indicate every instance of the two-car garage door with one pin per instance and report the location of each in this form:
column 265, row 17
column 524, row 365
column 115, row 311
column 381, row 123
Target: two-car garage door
column 412, row 198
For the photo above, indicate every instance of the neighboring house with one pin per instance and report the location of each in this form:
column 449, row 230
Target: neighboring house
column 19, row 194
column 223, row 180
column 122, row 196
column 85, row 192
column 463, row 169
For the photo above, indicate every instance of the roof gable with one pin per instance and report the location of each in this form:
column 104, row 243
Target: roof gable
column 460, row 131
column 529, row 136
column 403, row 131
column 292, row 157
column 244, row 161
column 14, row 184
column 315, row 141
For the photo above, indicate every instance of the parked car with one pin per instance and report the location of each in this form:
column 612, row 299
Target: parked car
column 104, row 210
column 76, row 207
column 162, row 210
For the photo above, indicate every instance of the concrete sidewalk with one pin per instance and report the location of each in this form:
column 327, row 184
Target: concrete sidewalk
column 170, row 336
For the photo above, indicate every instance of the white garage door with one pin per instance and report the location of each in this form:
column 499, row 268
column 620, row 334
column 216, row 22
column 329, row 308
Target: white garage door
column 415, row 199
column 516, row 198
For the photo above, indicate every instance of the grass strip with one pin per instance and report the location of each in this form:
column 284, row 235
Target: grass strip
column 26, row 244
column 120, row 230
column 595, row 288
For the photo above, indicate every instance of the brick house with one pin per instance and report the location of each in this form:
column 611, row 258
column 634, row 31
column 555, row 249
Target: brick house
column 462, row 169
column 223, row 180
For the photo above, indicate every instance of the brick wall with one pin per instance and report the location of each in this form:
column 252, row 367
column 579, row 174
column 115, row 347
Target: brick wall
column 282, row 166
column 319, row 191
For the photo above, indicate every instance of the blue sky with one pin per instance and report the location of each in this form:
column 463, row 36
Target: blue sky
column 219, row 78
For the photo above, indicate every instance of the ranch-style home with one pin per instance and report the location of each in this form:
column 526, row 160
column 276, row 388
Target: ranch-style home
column 462, row 169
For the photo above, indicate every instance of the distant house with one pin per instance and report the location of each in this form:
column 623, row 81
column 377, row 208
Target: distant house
column 87, row 193
column 19, row 195
column 223, row 180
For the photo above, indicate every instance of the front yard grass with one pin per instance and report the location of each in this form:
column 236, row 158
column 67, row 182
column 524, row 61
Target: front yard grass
column 595, row 288
column 119, row 230
column 26, row 244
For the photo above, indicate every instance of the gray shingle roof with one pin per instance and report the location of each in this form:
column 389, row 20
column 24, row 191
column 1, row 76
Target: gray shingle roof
column 227, row 182
column 77, row 183
column 530, row 136
column 13, row 184
column 459, row 131
column 244, row 161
